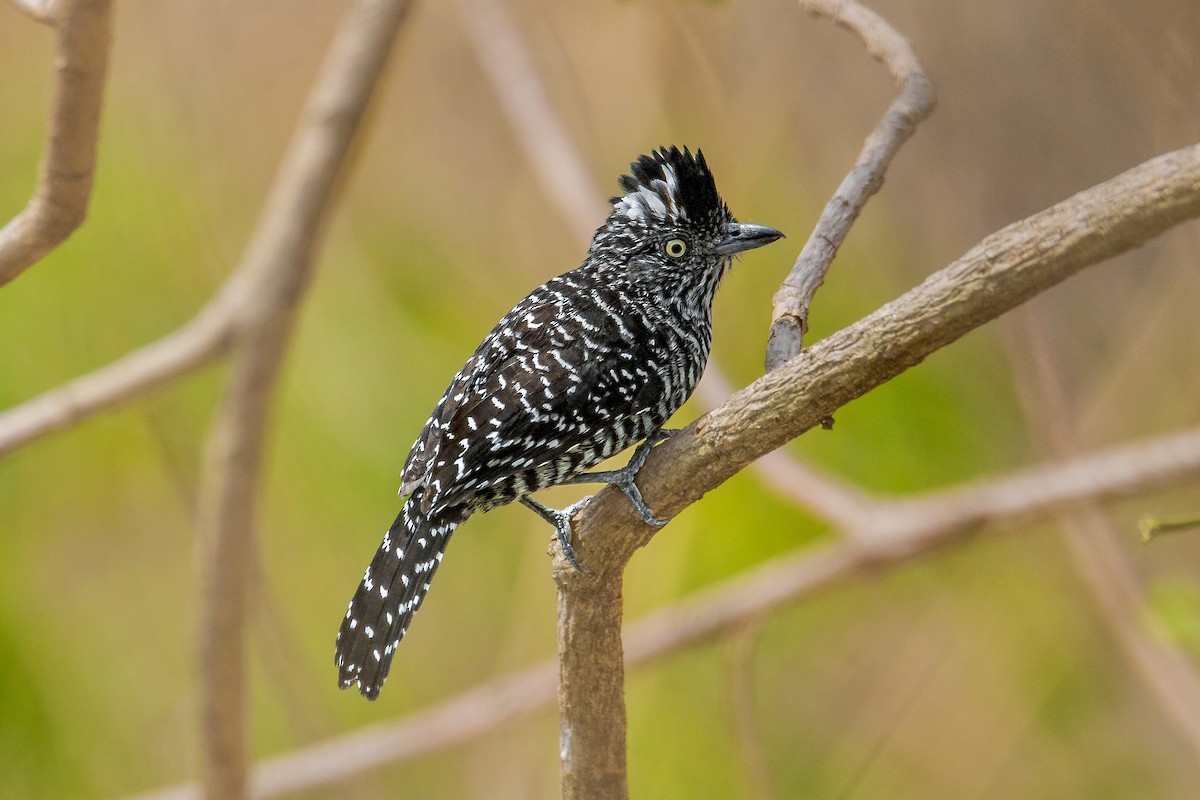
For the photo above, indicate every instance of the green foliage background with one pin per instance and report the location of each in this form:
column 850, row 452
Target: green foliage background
column 982, row 672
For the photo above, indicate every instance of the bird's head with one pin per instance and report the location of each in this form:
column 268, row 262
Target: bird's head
column 671, row 229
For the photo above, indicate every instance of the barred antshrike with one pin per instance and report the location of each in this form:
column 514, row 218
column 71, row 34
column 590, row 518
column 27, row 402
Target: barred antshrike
column 590, row 363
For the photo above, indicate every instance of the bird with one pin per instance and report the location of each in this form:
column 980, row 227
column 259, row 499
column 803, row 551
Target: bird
column 589, row 364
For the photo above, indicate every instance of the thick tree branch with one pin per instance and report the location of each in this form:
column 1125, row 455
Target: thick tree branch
column 276, row 267
column 914, row 103
column 1003, row 271
column 919, row 526
column 998, row 274
column 59, row 203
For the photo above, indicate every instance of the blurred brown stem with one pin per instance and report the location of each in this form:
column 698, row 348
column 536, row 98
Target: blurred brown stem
column 755, row 766
column 789, row 319
column 1116, row 589
column 59, row 203
column 507, row 63
column 275, row 271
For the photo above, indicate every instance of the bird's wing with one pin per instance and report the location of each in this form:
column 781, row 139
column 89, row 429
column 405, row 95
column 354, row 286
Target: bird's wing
column 549, row 397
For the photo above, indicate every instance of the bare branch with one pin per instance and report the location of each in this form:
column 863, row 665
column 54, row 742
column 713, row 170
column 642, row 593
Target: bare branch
column 542, row 135
column 59, row 203
column 998, row 274
column 276, row 266
column 835, row 501
column 914, row 103
column 198, row 343
column 1117, row 472
column 1001, row 272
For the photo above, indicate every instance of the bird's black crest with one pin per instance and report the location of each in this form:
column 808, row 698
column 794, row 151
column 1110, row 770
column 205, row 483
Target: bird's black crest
column 671, row 185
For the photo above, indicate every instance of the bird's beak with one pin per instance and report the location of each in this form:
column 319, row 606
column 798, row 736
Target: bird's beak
column 740, row 236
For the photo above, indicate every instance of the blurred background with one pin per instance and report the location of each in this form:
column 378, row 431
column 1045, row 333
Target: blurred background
column 984, row 671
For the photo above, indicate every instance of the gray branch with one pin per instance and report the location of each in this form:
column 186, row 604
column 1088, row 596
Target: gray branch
column 914, row 103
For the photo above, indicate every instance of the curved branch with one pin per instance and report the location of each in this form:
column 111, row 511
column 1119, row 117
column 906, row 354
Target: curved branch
column 789, row 319
column 527, row 107
column 276, row 268
column 59, row 203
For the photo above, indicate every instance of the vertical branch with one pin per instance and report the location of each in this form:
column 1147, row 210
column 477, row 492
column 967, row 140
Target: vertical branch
column 276, row 267
column 591, row 684
column 59, row 203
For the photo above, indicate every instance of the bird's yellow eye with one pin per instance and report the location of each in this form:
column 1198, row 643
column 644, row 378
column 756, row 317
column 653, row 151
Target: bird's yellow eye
column 675, row 248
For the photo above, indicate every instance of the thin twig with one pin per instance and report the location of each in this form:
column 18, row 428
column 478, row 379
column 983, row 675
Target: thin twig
column 277, row 264
column 755, row 765
column 59, row 203
column 789, row 319
column 1151, row 528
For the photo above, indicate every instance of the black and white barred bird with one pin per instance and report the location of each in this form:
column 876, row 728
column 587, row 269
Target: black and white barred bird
column 590, row 363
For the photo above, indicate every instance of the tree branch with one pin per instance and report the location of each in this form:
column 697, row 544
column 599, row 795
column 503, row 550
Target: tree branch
column 998, row 274
column 59, row 203
column 923, row 524
column 527, row 107
column 789, row 320
column 1001, row 272
column 276, row 267
column 204, row 339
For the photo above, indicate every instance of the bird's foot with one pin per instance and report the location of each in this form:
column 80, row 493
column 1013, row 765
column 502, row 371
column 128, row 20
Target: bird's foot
column 624, row 477
column 561, row 520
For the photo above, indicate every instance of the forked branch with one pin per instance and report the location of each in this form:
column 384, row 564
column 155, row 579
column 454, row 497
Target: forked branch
column 1003, row 271
column 272, row 278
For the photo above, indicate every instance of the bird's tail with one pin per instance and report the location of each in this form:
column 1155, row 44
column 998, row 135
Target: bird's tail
column 391, row 590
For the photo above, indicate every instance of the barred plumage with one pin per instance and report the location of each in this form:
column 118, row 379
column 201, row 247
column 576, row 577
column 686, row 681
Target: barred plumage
column 590, row 363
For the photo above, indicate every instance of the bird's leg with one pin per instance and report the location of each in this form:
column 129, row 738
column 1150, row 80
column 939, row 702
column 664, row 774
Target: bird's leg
column 623, row 478
column 561, row 520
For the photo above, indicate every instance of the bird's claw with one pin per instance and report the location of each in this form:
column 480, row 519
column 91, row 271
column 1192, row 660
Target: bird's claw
column 631, row 491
